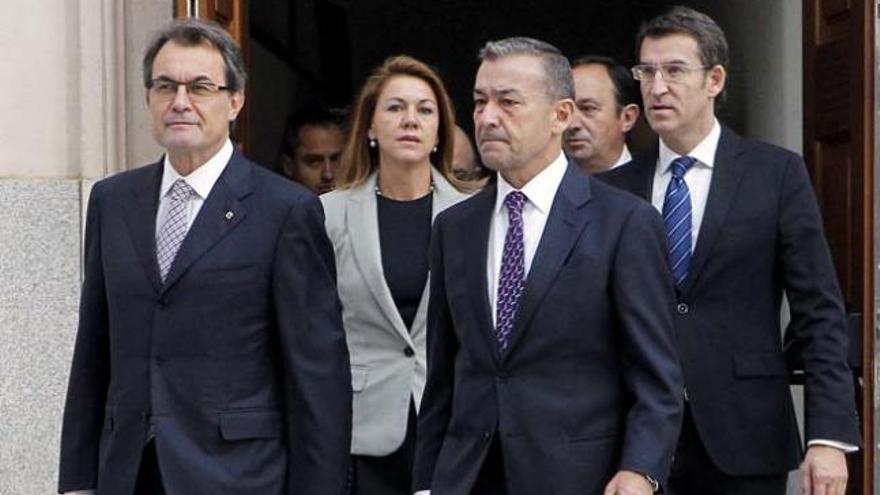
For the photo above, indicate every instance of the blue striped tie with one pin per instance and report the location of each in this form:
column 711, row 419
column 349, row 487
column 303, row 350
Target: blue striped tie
column 677, row 218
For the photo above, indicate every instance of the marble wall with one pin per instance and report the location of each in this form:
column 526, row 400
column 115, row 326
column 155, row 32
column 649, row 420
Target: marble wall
column 72, row 112
column 40, row 268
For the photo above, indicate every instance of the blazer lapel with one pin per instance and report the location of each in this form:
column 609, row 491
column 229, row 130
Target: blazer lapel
column 568, row 217
column 725, row 180
column 140, row 217
column 221, row 212
column 362, row 218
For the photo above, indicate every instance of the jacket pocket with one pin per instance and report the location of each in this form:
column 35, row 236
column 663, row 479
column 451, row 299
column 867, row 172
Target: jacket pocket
column 250, row 424
column 759, row 364
column 358, row 378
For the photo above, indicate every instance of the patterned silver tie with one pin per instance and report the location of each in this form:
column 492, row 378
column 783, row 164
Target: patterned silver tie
column 175, row 226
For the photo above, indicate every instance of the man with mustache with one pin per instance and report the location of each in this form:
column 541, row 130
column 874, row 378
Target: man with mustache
column 606, row 98
column 210, row 355
column 551, row 362
column 742, row 226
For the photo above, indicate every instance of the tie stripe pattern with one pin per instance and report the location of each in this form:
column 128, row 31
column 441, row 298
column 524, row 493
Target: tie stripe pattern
column 175, row 226
column 677, row 219
column 512, row 277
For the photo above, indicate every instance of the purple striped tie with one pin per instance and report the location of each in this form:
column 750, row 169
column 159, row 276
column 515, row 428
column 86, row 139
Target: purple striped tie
column 512, row 278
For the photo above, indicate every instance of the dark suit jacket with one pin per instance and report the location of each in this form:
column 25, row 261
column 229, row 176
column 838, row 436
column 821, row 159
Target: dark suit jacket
column 590, row 382
column 237, row 364
column 761, row 234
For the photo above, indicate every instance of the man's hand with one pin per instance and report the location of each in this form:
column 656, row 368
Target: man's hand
column 628, row 483
column 823, row 471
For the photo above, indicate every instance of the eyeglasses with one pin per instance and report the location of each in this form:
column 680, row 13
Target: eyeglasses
column 165, row 88
column 671, row 72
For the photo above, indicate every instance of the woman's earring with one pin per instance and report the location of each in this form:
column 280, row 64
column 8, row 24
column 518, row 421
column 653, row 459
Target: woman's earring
column 434, row 150
column 373, row 143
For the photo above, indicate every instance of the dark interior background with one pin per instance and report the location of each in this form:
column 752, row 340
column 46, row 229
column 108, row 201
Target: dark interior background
column 319, row 51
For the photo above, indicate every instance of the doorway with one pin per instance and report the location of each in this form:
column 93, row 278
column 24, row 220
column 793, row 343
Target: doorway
column 789, row 61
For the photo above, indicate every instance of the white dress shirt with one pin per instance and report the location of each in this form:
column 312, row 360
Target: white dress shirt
column 624, row 158
column 539, row 193
column 698, row 179
column 202, row 180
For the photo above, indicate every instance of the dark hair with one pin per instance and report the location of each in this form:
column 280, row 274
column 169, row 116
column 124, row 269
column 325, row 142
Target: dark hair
column 193, row 32
column 626, row 90
column 358, row 161
column 706, row 32
column 309, row 116
column 558, row 82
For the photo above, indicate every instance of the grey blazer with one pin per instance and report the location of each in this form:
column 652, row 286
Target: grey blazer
column 387, row 361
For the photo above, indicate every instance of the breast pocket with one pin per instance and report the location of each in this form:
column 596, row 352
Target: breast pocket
column 227, row 277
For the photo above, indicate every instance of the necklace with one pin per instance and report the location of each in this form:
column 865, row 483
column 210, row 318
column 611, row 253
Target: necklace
column 379, row 191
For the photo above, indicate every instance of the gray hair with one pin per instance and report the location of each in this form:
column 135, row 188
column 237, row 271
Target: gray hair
column 558, row 82
column 194, row 32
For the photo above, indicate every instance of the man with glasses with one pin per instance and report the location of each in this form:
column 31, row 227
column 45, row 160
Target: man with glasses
column 742, row 226
column 210, row 355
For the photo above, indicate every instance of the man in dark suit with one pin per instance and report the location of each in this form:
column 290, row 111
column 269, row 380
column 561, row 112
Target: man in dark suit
column 551, row 363
column 210, row 355
column 742, row 227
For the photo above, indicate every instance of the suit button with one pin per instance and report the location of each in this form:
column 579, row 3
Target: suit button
column 501, row 378
column 682, row 308
column 159, row 360
column 163, row 303
column 409, row 352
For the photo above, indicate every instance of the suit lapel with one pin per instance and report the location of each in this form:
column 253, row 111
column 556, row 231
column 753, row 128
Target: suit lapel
column 725, row 180
column 568, row 217
column 140, row 217
column 444, row 196
column 472, row 235
column 362, row 218
column 221, row 212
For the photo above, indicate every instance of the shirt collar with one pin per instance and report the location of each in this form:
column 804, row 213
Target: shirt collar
column 625, row 157
column 704, row 152
column 541, row 190
column 203, row 178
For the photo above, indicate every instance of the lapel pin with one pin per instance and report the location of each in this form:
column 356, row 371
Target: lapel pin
column 229, row 215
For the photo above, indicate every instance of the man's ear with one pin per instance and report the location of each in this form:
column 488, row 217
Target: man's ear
column 236, row 102
column 629, row 115
column 563, row 114
column 716, row 78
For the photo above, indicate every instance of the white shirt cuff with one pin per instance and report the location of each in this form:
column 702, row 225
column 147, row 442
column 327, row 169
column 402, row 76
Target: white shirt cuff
column 81, row 492
column 423, row 492
column 845, row 447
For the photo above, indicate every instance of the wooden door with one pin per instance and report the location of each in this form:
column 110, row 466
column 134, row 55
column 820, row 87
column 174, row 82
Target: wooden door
column 838, row 47
column 232, row 16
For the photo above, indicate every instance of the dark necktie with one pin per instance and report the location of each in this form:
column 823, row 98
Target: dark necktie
column 512, row 277
column 677, row 219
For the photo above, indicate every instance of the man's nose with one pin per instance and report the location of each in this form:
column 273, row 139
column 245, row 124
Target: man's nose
column 181, row 99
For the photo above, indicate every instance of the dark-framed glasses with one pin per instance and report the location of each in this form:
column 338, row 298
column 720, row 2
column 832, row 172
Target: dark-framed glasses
column 166, row 88
column 671, row 72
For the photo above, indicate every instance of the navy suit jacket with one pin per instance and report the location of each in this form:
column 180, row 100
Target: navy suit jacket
column 236, row 365
column 761, row 235
column 589, row 383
